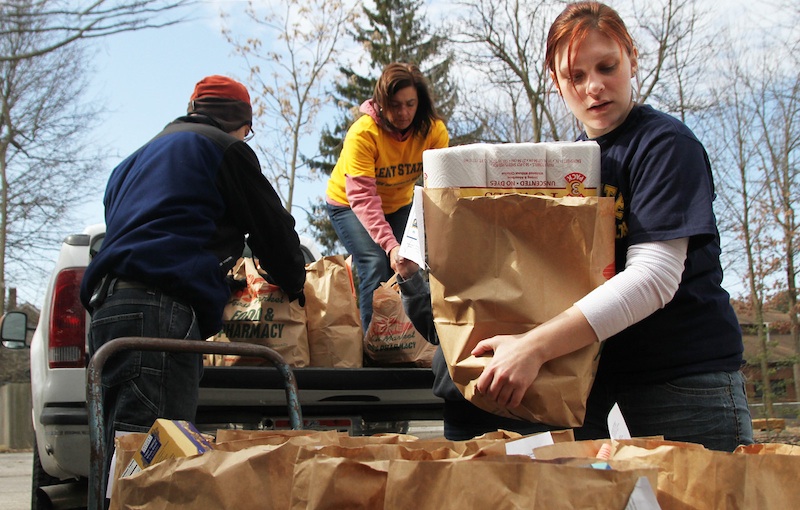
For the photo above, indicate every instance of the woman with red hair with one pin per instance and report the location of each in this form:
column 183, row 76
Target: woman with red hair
column 672, row 347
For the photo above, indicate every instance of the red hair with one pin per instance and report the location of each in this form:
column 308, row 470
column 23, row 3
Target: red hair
column 576, row 21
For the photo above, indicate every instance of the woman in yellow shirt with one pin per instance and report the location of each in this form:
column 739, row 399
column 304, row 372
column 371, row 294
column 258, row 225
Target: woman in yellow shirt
column 370, row 190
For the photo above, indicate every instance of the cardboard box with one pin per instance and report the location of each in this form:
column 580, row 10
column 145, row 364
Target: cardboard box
column 167, row 439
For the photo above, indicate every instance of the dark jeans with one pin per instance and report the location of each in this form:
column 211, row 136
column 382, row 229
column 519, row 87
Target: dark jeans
column 464, row 420
column 140, row 386
column 709, row 409
column 372, row 264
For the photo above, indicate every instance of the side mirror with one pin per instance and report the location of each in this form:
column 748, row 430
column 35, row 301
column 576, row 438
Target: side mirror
column 14, row 330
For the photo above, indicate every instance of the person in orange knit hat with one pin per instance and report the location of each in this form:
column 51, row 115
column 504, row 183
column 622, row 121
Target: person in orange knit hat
column 177, row 212
column 224, row 100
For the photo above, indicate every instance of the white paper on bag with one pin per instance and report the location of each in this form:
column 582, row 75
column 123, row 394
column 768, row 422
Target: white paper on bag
column 111, row 468
column 526, row 445
column 617, row 428
column 412, row 246
column 643, row 496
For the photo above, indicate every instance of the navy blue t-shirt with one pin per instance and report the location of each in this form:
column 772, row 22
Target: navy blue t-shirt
column 660, row 177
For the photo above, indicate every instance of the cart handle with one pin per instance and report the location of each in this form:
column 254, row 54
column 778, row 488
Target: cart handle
column 97, row 484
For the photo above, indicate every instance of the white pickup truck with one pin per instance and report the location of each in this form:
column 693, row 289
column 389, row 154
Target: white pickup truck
column 361, row 401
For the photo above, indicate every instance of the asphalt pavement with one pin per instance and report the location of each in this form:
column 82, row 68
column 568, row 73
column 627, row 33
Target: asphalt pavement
column 15, row 480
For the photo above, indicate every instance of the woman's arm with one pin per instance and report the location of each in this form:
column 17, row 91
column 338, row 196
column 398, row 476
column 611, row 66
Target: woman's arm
column 362, row 193
column 649, row 281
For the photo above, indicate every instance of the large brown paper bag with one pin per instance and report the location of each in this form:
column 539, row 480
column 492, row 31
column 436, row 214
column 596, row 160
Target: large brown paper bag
column 262, row 314
column 219, row 360
column 335, row 477
column 125, row 447
column 590, row 448
column 386, row 438
column 306, row 437
column 334, row 322
column 505, row 263
column 390, row 339
column 492, row 443
column 240, row 474
column 769, row 449
column 272, row 437
column 511, row 483
column 693, row 477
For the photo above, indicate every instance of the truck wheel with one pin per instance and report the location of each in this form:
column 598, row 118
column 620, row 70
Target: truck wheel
column 40, row 479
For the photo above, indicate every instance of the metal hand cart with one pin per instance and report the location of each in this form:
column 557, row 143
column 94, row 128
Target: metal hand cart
column 97, row 483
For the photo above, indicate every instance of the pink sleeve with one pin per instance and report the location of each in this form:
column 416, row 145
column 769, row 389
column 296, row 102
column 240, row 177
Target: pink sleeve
column 362, row 194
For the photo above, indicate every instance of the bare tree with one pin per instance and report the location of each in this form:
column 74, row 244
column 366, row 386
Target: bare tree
column 296, row 43
column 676, row 41
column 505, row 40
column 777, row 119
column 61, row 23
column 745, row 213
column 44, row 164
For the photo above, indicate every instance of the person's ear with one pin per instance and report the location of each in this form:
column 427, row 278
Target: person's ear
column 634, row 61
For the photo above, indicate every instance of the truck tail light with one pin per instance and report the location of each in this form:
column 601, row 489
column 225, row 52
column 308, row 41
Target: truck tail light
column 67, row 342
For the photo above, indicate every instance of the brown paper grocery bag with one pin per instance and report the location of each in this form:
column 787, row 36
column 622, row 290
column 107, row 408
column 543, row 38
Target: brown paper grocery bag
column 226, row 437
column 336, row 477
column 246, row 474
column 769, row 449
column 262, row 314
column 509, row 483
column 125, row 447
column 391, row 339
column 505, row 263
column 334, row 322
column 304, row 437
column 589, row 448
column 692, row 477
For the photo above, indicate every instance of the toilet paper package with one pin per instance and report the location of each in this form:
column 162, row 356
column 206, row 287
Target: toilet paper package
column 516, row 165
column 459, row 166
column 555, row 169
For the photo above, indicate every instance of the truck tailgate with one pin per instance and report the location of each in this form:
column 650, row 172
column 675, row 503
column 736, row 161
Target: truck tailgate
column 249, row 394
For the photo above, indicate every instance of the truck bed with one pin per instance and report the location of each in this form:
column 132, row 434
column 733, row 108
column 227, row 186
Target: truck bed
column 252, row 394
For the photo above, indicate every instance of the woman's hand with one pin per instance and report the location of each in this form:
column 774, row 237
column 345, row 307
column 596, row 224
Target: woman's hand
column 513, row 368
column 405, row 267
column 517, row 359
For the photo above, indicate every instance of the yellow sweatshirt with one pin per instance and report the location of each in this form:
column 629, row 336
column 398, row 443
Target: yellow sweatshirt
column 371, row 152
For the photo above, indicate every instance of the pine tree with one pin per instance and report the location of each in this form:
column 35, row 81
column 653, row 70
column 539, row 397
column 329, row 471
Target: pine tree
column 395, row 32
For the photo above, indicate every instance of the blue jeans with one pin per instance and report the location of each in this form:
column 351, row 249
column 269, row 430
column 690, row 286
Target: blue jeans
column 709, row 409
column 372, row 264
column 140, row 386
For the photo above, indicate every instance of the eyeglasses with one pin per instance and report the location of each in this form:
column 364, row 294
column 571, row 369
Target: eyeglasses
column 250, row 134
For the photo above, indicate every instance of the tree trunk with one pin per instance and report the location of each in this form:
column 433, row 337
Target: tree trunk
column 766, row 393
